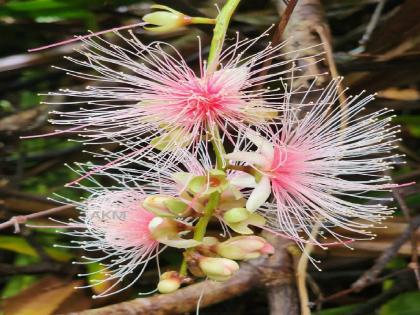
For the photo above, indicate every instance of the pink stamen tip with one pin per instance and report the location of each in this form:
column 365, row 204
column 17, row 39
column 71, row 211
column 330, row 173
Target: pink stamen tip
column 102, row 167
column 78, row 38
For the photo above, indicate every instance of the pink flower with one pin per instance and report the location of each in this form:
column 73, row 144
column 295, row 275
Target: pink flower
column 318, row 171
column 114, row 222
column 145, row 96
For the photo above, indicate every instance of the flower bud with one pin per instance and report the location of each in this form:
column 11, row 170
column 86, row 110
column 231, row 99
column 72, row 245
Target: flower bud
column 205, row 185
column 244, row 247
column 218, row 269
column 166, row 20
column 169, row 19
column 236, row 215
column 169, row 282
column 165, row 206
column 207, row 246
column 166, row 231
column 242, row 227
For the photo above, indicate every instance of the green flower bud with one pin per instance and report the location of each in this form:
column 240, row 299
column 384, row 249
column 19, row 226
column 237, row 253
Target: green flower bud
column 244, row 247
column 241, row 227
column 165, row 206
column 166, row 231
column 218, row 269
column 205, row 185
column 176, row 206
column 169, row 20
column 236, row 215
column 165, row 21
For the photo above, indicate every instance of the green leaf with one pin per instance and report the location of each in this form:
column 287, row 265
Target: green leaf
column 18, row 283
column 19, row 245
column 404, row 304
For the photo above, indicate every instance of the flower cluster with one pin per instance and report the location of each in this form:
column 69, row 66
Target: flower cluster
column 284, row 158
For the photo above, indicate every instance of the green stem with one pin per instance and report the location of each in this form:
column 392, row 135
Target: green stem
column 219, row 33
column 202, row 20
column 218, row 149
column 201, row 227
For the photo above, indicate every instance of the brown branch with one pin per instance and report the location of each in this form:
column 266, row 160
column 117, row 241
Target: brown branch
column 281, row 290
column 414, row 253
column 392, row 251
column 17, row 220
column 277, row 37
column 402, row 284
column 284, row 20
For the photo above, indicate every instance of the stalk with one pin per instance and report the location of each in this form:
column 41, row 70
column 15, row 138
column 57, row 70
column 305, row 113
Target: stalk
column 219, row 33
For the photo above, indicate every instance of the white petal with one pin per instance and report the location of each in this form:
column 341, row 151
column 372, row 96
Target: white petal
column 265, row 146
column 259, row 195
column 248, row 157
column 243, row 179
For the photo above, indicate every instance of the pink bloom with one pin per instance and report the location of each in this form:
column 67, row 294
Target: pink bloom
column 318, row 171
column 114, row 222
column 147, row 95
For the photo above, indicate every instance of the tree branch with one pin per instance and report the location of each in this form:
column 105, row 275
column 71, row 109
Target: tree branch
column 275, row 271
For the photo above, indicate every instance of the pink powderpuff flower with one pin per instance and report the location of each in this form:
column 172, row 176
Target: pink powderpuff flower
column 320, row 171
column 145, row 96
column 114, row 223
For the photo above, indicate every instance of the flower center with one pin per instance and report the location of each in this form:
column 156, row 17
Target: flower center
column 286, row 166
column 204, row 101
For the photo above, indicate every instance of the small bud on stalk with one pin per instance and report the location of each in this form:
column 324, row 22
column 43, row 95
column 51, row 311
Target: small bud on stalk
column 218, row 269
column 169, row 19
column 170, row 281
column 236, row 215
column 244, row 247
column 168, row 231
column 165, row 206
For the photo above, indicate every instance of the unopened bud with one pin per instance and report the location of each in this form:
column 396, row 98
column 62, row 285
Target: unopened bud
column 166, row 20
column 169, row 19
column 165, row 206
column 218, row 269
column 244, row 247
column 169, row 282
column 207, row 246
column 236, row 215
column 215, row 181
column 166, row 231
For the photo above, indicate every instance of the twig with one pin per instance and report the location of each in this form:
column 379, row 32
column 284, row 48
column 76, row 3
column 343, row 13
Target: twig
column 370, row 275
column 284, row 20
column 401, row 285
column 371, row 25
column 301, row 273
column 281, row 290
column 20, row 219
column 414, row 253
column 277, row 37
column 348, row 291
